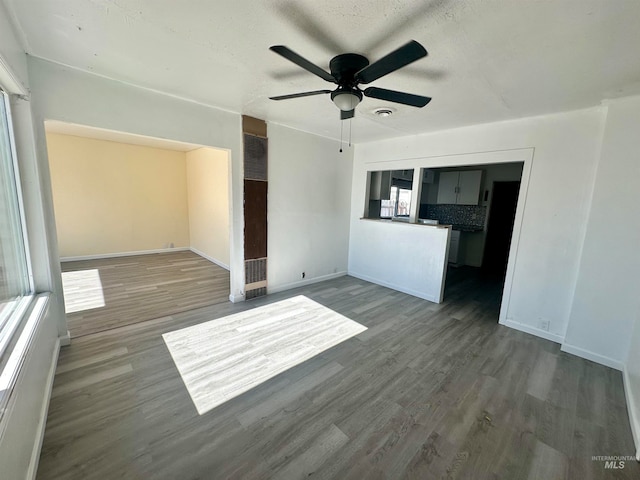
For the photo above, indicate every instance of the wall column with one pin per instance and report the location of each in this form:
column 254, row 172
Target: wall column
column 255, row 206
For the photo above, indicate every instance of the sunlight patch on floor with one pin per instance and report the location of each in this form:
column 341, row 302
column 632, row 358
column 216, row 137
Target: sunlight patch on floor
column 82, row 290
column 223, row 358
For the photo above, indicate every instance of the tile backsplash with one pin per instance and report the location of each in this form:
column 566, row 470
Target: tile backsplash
column 472, row 215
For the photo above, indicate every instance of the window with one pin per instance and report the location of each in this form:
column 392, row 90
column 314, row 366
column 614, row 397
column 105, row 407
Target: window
column 388, row 207
column 15, row 285
column 389, row 194
column 398, row 204
column 402, row 201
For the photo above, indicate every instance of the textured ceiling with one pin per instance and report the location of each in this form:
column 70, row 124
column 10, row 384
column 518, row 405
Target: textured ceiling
column 488, row 60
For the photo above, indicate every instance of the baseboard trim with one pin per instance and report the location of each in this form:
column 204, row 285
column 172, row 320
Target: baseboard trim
column 632, row 407
column 65, row 340
column 302, row 283
column 42, row 419
column 594, row 357
column 123, row 254
column 236, row 298
column 392, row 286
column 211, row 259
column 533, row 331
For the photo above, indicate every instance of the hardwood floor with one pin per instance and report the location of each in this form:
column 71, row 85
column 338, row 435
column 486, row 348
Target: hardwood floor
column 223, row 358
column 427, row 391
column 112, row 292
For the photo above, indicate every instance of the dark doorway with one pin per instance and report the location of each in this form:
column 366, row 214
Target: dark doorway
column 502, row 214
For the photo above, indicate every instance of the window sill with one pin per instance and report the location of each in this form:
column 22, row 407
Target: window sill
column 24, row 323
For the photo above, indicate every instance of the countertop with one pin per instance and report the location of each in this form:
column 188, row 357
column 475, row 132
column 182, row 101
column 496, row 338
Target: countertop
column 467, row 228
column 462, row 228
column 397, row 222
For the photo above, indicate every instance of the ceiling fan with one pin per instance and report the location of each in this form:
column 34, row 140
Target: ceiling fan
column 349, row 70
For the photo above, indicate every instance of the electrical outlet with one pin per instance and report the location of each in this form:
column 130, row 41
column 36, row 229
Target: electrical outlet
column 303, row 274
column 545, row 325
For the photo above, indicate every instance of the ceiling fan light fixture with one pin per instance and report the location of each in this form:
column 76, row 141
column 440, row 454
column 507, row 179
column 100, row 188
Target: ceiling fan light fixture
column 346, row 100
column 349, row 70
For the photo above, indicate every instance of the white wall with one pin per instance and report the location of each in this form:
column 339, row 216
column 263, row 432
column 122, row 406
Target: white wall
column 208, row 194
column 64, row 94
column 22, row 423
column 565, row 152
column 632, row 383
column 607, row 300
column 13, row 61
column 389, row 257
column 308, row 208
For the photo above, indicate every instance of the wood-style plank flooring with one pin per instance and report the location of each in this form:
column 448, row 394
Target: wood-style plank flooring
column 140, row 288
column 427, row 392
column 223, row 358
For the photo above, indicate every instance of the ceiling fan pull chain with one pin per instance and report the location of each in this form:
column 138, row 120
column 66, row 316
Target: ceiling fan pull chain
column 350, row 120
column 341, row 128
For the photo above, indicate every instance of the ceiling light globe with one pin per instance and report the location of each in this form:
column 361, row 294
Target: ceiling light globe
column 346, row 101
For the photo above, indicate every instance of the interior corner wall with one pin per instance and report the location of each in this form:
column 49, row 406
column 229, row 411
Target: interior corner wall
column 632, row 382
column 208, row 194
column 604, row 325
column 606, row 301
column 68, row 95
column 22, row 424
column 566, row 148
column 112, row 197
column 308, row 214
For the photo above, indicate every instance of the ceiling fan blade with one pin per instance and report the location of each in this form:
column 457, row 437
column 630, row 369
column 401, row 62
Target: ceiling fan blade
column 302, row 62
column 397, row 97
column 404, row 55
column 298, row 95
column 348, row 114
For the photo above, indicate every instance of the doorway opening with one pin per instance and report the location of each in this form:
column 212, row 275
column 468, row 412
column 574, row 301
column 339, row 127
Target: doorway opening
column 143, row 225
column 479, row 202
column 502, row 214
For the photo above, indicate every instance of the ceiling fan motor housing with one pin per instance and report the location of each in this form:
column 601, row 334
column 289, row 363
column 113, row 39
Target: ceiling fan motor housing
column 344, row 68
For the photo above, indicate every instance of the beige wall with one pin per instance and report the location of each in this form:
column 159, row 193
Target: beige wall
column 112, row 197
column 208, row 193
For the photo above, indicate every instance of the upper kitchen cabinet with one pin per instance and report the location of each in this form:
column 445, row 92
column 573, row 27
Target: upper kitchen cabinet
column 448, row 187
column 460, row 188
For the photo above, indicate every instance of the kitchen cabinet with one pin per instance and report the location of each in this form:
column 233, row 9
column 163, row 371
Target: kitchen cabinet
column 459, row 188
column 448, row 187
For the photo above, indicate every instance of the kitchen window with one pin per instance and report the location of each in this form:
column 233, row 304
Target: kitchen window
column 398, row 205
column 389, row 194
